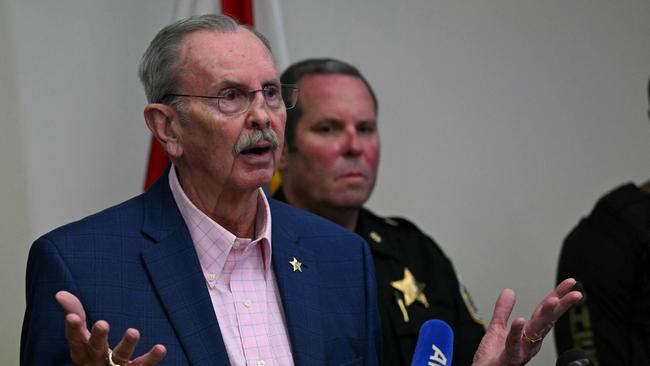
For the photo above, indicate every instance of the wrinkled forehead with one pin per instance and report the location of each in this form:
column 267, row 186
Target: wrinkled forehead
column 208, row 57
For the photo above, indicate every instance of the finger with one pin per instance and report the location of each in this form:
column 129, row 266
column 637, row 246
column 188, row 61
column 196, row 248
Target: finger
column 76, row 333
column 566, row 302
column 564, row 287
column 123, row 351
column 155, row 355
column 543, row 320
column 559, row 291
column 513, row 341
column 77, row 323
column 70, row 304
column 556, row 303
column 503, row 308
column 98, row 340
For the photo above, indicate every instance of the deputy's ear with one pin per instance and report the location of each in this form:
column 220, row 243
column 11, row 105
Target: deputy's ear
column 163, row 122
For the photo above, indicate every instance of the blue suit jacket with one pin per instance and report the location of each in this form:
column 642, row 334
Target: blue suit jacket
column 134, row 265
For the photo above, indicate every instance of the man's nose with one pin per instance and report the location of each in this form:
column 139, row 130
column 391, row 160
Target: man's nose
column 353, row 144
column 258, row 112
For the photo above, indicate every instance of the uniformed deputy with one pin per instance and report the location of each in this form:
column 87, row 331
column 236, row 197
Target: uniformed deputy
column 329, row 167
column 608, row 253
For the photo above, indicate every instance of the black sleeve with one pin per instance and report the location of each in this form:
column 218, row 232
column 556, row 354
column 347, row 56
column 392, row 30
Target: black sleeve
column 469, row 328
column 605, row 260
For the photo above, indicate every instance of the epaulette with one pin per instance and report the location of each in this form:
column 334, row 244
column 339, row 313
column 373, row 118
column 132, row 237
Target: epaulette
column 390, row 221
column 401, row 222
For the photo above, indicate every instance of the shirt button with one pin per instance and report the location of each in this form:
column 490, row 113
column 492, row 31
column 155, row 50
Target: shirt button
column 248, row 303
column 236, row 244
column 261, row 363
column 212, row 277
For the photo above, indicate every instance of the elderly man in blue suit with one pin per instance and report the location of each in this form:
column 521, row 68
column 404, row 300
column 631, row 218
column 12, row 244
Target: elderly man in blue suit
column 203, row 269
column 207, row 268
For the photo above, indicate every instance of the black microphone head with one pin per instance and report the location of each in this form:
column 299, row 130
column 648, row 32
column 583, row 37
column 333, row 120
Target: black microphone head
column 573, row 357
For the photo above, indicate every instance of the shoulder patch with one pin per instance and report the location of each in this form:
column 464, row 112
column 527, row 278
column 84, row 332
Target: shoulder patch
column 469, row 303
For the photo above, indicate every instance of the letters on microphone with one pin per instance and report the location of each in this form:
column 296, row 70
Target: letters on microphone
column 438, row 358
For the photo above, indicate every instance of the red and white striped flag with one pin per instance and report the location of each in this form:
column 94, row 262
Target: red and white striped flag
column 265, row 15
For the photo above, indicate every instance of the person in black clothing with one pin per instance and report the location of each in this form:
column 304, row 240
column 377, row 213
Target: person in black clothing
column 329, row 166
column 608, row 253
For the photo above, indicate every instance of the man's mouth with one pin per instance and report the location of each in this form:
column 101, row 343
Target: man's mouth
column 259, row 148
column 257, row 142
column 353, row 176
column 256, row 150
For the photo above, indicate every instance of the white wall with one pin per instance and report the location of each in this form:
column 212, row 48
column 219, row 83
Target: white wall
column 502, row 121
column 14, row 219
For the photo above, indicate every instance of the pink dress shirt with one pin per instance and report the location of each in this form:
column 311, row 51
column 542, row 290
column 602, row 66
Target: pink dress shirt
column 241, row 283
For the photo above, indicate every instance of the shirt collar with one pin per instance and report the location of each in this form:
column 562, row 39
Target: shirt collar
column 201, row 225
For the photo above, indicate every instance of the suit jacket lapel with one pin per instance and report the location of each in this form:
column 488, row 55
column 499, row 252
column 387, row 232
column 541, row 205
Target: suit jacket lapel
column 178, row 280
column 298, row 289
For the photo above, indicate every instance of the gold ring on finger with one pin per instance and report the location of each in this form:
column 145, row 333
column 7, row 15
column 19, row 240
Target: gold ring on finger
column 110, row 359
column 531, row 340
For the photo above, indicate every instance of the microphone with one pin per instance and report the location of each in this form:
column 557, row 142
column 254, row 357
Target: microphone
column 573, row 357
column 435, row 344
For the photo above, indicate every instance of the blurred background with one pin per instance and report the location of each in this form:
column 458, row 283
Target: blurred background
column 501, row 121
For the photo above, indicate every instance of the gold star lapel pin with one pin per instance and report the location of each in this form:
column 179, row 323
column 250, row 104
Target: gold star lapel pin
column 296, row 265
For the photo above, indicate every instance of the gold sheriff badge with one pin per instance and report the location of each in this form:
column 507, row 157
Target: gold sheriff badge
column 412, row 291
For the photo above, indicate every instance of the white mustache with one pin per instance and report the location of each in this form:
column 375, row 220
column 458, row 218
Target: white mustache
column 249, row 139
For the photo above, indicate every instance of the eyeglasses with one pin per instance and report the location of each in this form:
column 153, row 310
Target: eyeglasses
column 233, row 101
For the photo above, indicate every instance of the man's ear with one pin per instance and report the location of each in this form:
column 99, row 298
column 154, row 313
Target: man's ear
column 164, row 124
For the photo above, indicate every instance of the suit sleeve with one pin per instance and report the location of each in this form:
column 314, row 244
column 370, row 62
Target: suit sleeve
column 43, row 340
column 372, row 314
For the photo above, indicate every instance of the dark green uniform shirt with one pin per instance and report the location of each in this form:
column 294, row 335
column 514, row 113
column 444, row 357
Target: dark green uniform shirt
column 416, row 282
